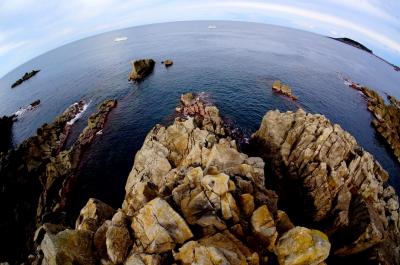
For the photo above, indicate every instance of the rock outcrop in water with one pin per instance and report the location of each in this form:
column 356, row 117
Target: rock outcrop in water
column 25, row 78
column 141, row 69
column 386, row 116
column 167, row 63
column 191, row 198
column 36, row 177
column 283, row 89
column 6, row 123
column 326, row 180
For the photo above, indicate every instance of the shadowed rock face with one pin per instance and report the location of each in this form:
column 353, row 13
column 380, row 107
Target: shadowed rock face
column 326, row 180
column 35, row 178
column 141, row 69
column 193, row 198
column 6, row 124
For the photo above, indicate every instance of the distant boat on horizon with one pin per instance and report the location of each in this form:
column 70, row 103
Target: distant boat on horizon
column 212, row 27
column 120, row 39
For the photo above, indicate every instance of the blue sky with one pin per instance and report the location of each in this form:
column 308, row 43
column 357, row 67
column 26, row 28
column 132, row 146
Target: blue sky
column 29, row 28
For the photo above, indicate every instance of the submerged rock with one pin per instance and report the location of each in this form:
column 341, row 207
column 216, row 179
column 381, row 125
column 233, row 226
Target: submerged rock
column 141, row 69
column 25, row 77
column 325, row 178
column 283, row 89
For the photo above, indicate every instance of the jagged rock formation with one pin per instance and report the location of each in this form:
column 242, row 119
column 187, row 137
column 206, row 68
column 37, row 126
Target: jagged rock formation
column 283, row 89
column 386, row 117
column 36, row 177
column 192, row 198
column 25, row 77
column 141, row 69
column 6, row 123
column 324, row 179
column 167, row 63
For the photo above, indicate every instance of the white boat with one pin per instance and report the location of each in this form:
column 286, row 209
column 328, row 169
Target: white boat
column 120, row 39
column 212, row 27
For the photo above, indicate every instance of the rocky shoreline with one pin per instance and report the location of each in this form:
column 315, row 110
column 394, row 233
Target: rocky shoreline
column 36, row 177
column 6, row 124
column 386, row 116
column 193, row 198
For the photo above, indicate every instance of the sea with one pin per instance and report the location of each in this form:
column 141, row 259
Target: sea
column 233, row 63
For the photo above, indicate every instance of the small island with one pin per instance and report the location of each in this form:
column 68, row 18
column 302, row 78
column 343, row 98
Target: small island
column 353, row 43
column 25, row 77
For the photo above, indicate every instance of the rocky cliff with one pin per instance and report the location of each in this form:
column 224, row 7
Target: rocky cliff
column 326, row 180
column 193, row 198
column 36, row 176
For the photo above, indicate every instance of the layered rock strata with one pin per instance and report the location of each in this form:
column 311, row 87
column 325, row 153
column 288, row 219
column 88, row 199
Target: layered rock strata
column 36, row 177
column 326, row 180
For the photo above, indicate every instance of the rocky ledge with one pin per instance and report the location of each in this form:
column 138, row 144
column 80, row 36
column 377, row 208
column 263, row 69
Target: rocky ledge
column 325, row 180
column 141, row 69
column 386, row 116
column 283, row 89
column 25, row 78
column 36, row 177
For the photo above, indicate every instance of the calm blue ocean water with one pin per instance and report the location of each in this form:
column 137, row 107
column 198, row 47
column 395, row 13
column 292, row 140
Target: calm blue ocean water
column 236, row 63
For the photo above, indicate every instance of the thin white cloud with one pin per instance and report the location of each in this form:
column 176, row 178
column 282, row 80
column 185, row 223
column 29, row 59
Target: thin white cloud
column 313, row 15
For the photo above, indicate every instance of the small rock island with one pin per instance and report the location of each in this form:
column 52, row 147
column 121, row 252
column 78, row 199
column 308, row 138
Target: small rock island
column 25, row 78
column 141, row 69
column 283, row 89
column 167, row 63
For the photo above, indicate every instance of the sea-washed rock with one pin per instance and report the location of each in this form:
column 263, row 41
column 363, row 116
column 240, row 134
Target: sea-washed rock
column 25, row 77
column 386, row 116
column 167, row 63
column 141, row 69
column 324, row 177
column 283, row 89
column 32, row 176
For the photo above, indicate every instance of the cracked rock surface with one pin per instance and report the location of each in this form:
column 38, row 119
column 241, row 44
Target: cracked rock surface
column 193, row 198
column 324, row 177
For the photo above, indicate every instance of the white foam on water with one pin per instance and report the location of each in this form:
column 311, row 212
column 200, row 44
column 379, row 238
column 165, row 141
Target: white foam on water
column 79, row 114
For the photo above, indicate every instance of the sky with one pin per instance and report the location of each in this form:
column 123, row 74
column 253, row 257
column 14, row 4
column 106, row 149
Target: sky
column 29, row 28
